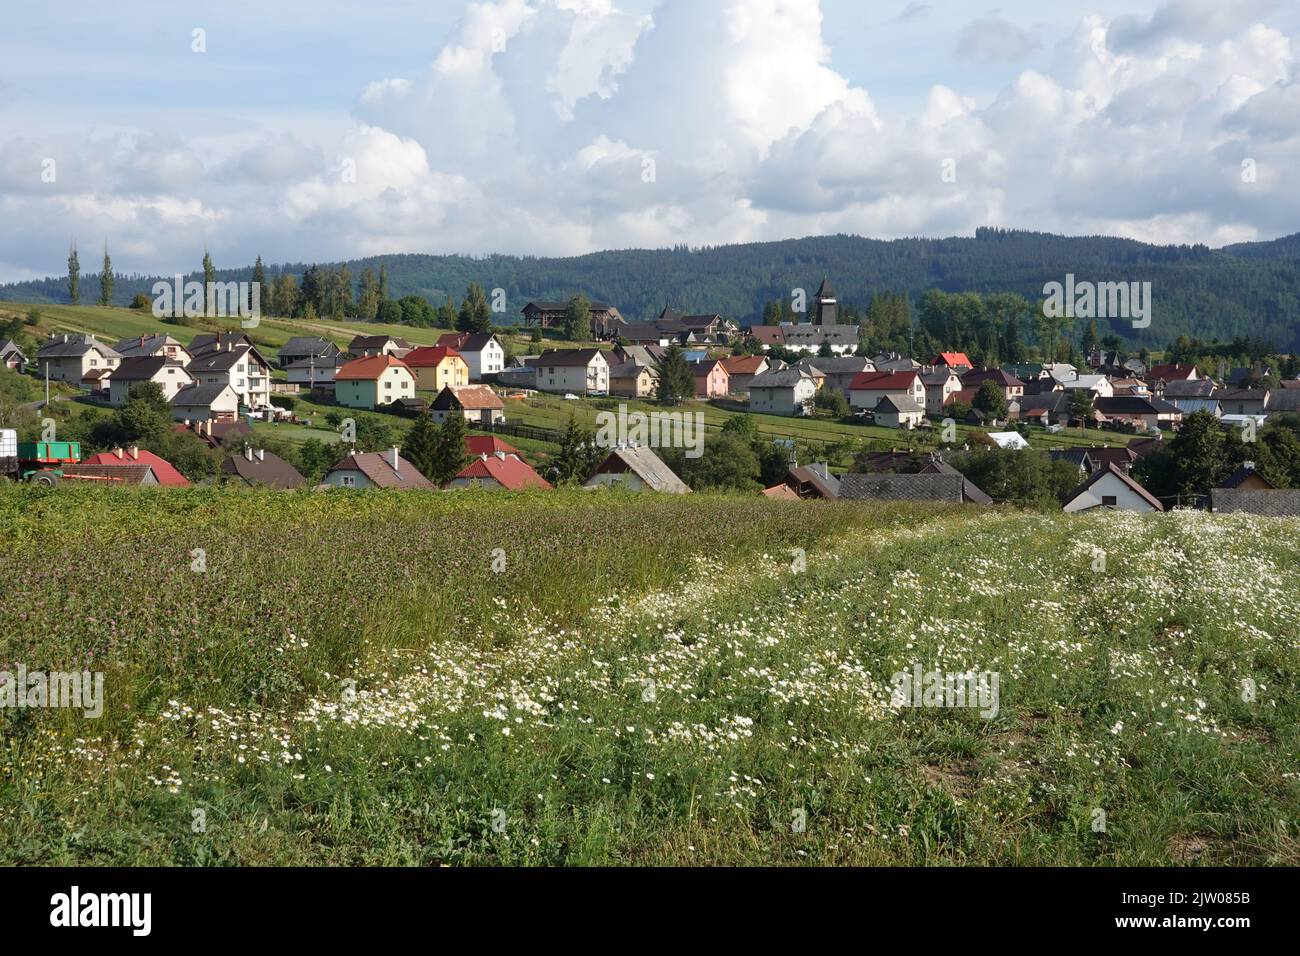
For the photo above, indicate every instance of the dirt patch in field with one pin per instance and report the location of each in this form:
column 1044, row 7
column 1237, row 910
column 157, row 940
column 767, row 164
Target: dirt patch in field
column 1191, row 848
column 957, row 777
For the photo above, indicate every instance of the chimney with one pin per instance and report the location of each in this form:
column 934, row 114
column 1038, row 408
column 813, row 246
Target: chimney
column 1249, row 465
column 134, row 452
column 117, row 452
column 248, row 453
column 501, row 455
column 261, row 454
column 393, row 457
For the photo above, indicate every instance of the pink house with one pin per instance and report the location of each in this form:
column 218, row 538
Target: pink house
column 711, row 380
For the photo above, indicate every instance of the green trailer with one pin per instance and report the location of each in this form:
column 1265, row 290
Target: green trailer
column 41, row 462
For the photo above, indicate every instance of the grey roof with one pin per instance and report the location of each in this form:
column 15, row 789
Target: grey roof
column 1273, row 502
column 928, row 487
column 208, row 341
column 808, row 334
column 559, row 357
column 837, row 364
column 307, row 345
column 781, row 378
column 1182, row 388
column 647, row 466
column 269, row 469
column 138, row 345
column 68, row 345
column 1190, row 405
column 627, row 370
column 218, row 361
column 1284, row 400
column 141, row 368
column 204, row 395
column 901, row 404
column 818, row 475
column 9, row 345
column 937, row 466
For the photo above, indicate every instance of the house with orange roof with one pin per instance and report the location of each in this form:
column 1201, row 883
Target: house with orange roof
column 437, row 366
column 954, row 360
column 373, row 381
column 163, row 470
column 741, row 370
column 478, row 445
column 868, row 388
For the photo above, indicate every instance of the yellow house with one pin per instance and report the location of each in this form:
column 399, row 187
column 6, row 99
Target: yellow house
column 374, row 381
column 437, row 366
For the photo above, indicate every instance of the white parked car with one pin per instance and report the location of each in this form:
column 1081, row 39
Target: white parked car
column 570, row 397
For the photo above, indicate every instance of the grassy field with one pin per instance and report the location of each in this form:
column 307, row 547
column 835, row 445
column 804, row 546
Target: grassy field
column 585, row 678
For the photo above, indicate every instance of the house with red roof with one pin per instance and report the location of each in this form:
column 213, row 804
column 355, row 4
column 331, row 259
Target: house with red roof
column 499, row 470
column 478, row 445
column 868, row 388
column 163, row 470
column 1172, row 373
column 954, row 360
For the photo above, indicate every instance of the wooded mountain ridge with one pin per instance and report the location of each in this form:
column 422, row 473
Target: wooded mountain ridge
column 1246, row 290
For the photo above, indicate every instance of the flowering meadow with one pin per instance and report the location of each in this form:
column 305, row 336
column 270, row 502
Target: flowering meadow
column 605, row 678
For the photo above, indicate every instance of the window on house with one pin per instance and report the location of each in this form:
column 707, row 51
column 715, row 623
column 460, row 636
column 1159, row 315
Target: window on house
column 349, row 481
column 1108, row 501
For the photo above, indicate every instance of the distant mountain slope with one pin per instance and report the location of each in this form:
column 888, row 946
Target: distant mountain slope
column 1249, row 289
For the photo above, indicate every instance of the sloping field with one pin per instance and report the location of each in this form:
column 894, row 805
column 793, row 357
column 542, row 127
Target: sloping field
column 598, row 678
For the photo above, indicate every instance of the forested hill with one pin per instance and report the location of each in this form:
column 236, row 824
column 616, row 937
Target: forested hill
column 1244, row 290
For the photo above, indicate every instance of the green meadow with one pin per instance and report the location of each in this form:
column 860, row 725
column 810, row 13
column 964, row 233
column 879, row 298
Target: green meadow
column 427, row 679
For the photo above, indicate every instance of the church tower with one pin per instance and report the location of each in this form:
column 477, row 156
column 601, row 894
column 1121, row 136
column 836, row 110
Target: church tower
column 825, row 308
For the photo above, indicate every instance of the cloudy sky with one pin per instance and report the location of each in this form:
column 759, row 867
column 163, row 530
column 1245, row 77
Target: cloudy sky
column 316, row 130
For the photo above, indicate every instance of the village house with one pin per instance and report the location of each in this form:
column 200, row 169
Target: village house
column 240, row 366
column 69, row 357
column 436, row 366
column 576, row 371
column 301, row 348
column 200, row 403
column 1011, row 386
column 953, row 488
column 836, row 372
column 500, row 470
column 1270, row 502
column 368, row 346
column 143, row 346
column 227, row 433
column 767, row 336
column 135, row 473
column 1110, row 487
column 657, row 334
column 1235, row 401
column 638, row 468
column 313, row 370
column 840, row 339
column 11, row 356
column 261, row 468
column 867, row 389
column 650, row 355
column 373, row 469
column 788, row 391
column 711, row 379
column 482, row 352
column 957, row 361
column 373, row 381
column 1099, row 385
column 1161, row 375
column 1139, row 412
column 163, row 470
column 1246, row 477
column 894, row 362
column 170, row 376
column 1089, row 460
column 807, row 482
column 631, row 380
column 940, row 384
column 741, row 370
column 477, row 403
column 898, row 411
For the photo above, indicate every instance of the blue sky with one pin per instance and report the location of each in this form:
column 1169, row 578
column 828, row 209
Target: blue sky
column 530, row 126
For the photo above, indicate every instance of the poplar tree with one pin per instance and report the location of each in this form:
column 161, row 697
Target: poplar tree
column 74, row 275
column 106, row 280
column 209, row 276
